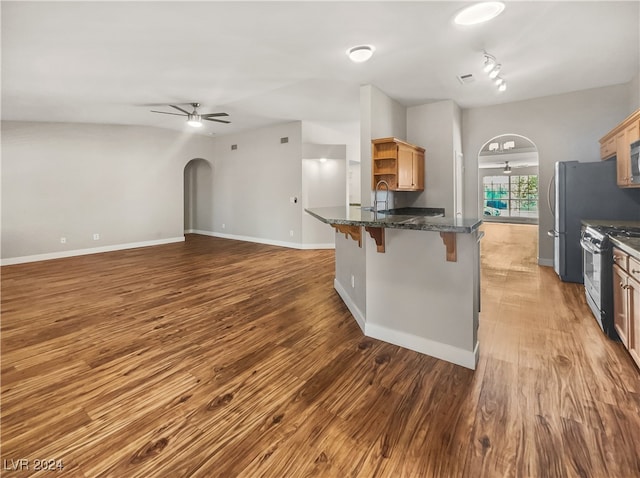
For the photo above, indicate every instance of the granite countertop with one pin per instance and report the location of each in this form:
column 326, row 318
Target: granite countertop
column 357, row 216
column 604, row 222
column 630, row 245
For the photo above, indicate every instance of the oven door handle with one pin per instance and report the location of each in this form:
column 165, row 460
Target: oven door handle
column 587, row 246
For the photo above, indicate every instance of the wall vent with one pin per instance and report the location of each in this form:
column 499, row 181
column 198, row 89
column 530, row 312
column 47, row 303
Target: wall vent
column 234, row 147
column 284, row 140
column 466, row 79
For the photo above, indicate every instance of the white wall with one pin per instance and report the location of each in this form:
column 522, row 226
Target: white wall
column 380, row 117
column 252, row 185
column 634, row 93
column 346, row 133
column 73, row 180
column 324, row 184
column 563, row 127
column 435, row 127
column 354, row 172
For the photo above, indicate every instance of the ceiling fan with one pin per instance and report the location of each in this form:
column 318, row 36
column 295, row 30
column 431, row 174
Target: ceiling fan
column 194, row 118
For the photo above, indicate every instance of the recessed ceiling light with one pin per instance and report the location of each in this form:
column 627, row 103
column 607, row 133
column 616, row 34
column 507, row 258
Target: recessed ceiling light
column 361, row 53
column 479, row 13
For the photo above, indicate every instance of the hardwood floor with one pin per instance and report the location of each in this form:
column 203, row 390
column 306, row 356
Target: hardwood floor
column 219, row 358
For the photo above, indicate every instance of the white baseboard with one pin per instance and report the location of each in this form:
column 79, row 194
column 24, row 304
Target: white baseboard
column 351, row 305
column 438, row 350
column 545, row 262
column 83, row 252
column 464, row 358
column 260, row 240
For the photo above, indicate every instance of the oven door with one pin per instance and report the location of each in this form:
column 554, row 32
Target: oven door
column 592, row 267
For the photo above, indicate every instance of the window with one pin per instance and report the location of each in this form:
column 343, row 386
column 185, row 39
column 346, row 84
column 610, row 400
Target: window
column 511, row 195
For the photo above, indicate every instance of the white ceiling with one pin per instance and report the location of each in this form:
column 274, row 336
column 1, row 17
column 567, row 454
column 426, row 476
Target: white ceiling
column 268, row 62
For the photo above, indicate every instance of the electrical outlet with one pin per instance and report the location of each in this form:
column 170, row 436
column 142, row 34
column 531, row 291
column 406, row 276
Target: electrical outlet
column 96, row 237
column 223, row 225
column 353, row 281
column 63, row 240
column 291, row 233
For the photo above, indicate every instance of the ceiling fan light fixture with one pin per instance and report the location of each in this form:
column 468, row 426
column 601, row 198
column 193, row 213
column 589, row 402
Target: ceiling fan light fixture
column 194, row 120
column 479, row 13
column 361, row 53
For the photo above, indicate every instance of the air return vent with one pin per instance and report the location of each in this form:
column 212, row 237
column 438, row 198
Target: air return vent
column 284, row 140
column 234, row 147
column 466, row 79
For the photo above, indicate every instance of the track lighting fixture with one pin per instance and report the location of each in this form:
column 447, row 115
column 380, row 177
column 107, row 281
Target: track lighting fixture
column 489, row 62
column 492, row 68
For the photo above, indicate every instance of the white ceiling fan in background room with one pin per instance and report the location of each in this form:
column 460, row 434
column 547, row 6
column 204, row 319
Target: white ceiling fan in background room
column 194, row 118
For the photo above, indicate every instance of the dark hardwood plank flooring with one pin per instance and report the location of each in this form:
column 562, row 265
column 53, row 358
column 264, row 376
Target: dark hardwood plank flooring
column 218, row 358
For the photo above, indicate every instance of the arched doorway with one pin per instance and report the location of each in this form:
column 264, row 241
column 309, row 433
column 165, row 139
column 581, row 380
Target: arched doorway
column 508, row 180
column 198, row 196
column 509, row 201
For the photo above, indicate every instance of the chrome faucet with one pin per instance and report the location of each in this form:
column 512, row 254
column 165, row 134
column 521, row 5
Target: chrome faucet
column 386, row 197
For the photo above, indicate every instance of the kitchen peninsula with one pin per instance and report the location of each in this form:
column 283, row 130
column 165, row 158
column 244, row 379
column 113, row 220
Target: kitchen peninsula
column 411, row 278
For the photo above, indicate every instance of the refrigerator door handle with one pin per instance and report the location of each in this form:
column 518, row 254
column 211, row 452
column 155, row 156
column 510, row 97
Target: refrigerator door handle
column 551, row 184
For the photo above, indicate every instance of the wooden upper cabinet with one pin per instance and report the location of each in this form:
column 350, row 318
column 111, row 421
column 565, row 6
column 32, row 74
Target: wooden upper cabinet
column 398, row 163
column 622, row 159
column 617, row 144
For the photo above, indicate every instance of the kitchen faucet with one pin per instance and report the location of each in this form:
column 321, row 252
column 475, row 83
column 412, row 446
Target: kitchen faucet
column 386, row 197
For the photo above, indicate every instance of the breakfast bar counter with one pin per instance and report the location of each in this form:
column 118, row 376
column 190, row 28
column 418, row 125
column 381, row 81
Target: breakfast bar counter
column 410, row 277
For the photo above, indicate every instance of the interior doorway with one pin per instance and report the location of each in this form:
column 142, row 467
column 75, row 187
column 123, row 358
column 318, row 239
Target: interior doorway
column 508, row 180
column 198, row 196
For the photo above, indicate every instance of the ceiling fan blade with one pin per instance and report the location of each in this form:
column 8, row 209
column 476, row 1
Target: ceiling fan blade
column 180, row 109
column 165, row 113
column 213, row 119
column 211, row 115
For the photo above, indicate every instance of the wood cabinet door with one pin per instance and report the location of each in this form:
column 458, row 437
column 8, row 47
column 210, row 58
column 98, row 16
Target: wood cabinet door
column 633, row 296
column 405, row 168
column 622, row 159
column 418, row 170
column 620, row 305
column 633, row 132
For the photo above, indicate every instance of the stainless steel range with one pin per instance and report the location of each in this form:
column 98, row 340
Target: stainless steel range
column 597, row 256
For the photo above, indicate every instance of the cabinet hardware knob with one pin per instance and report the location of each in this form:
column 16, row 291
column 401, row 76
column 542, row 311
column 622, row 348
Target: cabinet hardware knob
column 621, row 285
column 635, row 271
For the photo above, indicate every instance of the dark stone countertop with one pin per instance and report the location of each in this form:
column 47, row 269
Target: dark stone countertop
column 357, row 216
column 630, row 245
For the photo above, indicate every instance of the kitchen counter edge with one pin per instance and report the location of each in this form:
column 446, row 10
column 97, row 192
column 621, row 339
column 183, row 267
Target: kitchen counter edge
column 630, row 245
column 416, row 223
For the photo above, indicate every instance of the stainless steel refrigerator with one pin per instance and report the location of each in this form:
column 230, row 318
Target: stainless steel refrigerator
column 585, row 191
